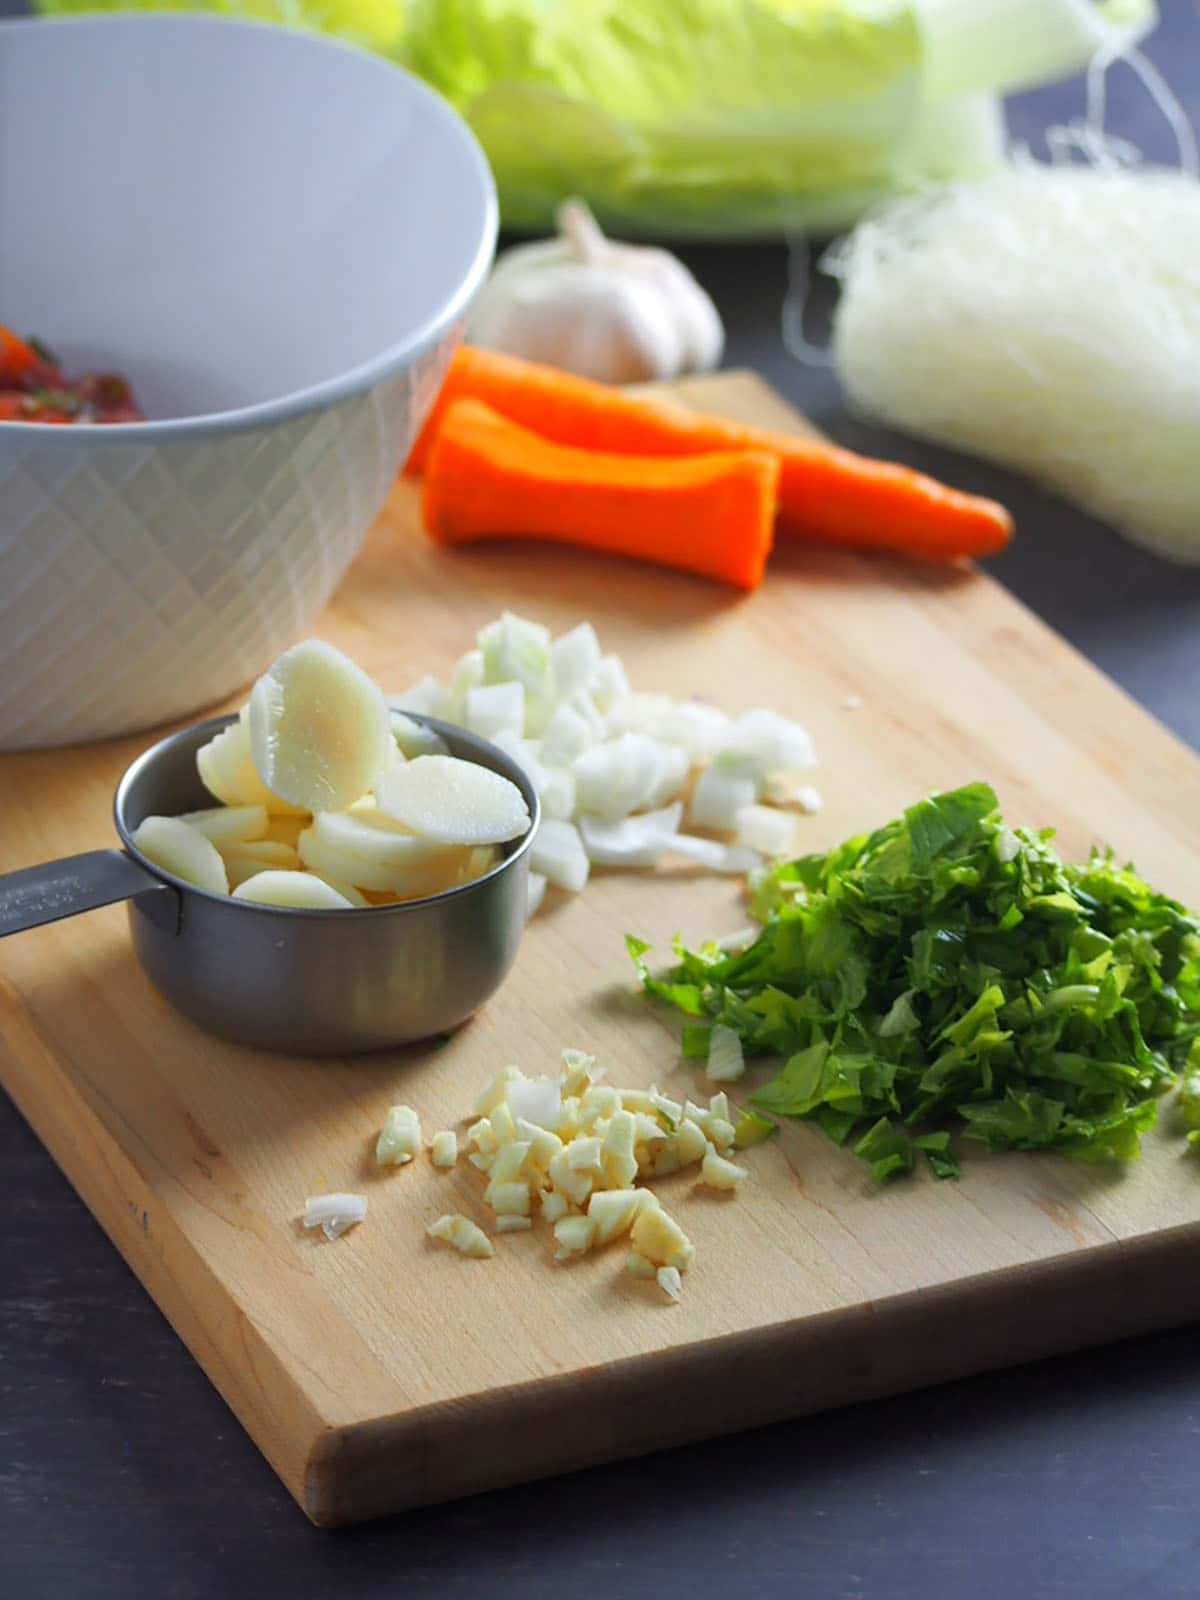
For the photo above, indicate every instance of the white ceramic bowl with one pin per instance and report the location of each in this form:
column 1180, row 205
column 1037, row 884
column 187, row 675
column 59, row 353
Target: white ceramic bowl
column 276, row 237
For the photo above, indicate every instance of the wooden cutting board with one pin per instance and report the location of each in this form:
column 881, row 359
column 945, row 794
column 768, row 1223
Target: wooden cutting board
column 380, row 1372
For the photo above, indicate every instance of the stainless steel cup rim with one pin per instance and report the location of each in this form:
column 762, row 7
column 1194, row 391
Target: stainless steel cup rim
column 498, row 760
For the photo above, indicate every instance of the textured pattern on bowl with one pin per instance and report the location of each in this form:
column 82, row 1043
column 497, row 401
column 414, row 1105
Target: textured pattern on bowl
column 284, row 291
column 171, row 573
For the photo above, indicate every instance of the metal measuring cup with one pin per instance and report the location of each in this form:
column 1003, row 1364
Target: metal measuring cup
column 305, row 982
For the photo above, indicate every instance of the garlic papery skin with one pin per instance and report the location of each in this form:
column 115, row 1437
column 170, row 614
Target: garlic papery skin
column 617, row 313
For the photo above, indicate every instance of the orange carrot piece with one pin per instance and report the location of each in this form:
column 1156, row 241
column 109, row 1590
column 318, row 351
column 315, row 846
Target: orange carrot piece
column 826, row 494
column 487, row 477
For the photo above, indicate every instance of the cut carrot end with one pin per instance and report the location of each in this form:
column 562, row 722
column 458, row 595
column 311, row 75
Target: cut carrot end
column 487, row 478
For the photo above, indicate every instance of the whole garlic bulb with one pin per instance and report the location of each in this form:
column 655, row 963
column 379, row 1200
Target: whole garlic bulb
column 619, row 313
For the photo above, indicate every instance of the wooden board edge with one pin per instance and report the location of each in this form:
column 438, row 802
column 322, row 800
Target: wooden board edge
column 154, row 1246
column 727, row 1385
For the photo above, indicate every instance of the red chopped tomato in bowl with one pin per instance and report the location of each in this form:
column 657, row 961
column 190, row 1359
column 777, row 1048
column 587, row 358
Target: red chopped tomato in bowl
column 33, row 388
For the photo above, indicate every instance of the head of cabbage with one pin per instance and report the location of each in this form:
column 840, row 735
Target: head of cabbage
column 681, row 116
column 718, row 118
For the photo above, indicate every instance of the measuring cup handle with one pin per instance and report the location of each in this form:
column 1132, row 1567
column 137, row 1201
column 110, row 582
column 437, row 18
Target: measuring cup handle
column 64, row 888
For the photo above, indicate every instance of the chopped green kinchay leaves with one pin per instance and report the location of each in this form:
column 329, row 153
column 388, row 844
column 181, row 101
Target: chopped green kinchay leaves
column 694, row 1042
column 949, row 974
column 886, row 1151
column 687, row 996
column 936, row 1149
column 1189, row 1094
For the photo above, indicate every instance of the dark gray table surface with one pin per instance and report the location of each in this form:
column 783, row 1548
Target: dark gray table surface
column 122, row 1474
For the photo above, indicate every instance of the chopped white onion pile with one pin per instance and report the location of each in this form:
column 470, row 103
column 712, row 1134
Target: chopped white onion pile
column 535, row 894
column 717, row 857
column 558, row 855
column 763, row 828
column 635, row 842
column 719, row 796
column 803, row 796
column 574, row 1151
column 334, row 1213
column 613, row 767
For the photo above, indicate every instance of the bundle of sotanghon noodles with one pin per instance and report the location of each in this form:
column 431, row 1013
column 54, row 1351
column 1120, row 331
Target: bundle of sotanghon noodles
column 950, row 974
column 1047, row 318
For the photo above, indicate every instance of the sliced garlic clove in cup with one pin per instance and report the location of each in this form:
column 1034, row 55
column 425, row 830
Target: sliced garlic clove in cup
column 177, row 847
column 320, row 732
column 227, row 772
column 296, row 891
column 425, row 872
column 458, row 802
column 228, row 825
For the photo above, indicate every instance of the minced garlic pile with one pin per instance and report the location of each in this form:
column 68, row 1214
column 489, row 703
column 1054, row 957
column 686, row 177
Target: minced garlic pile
column 573, row 1150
